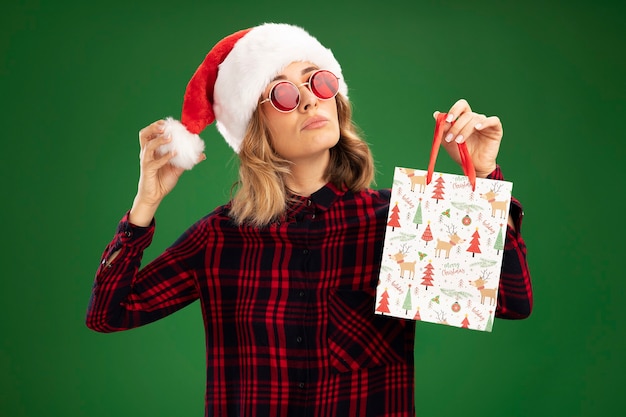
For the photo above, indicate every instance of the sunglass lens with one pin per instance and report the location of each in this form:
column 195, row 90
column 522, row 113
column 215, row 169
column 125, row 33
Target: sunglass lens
column 324, row 84
column 285, row 96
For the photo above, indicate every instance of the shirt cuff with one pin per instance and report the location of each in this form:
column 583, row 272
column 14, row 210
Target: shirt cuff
column 133, row 235
column 496, row 174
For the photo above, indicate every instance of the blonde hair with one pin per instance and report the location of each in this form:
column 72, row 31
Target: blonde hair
column 261, row 194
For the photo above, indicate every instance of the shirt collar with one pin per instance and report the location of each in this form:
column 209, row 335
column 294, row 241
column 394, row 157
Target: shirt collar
column 322, row 199
column 326, row 196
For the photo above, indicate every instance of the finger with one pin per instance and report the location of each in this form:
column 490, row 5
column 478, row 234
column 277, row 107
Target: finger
column 469, row 126
column 459, row 108
column 492, row 121
column 457, row 127
column 149, row 151
column 151, row 131
column 162, row 160
column 157, row 142
column 449, row 119
column 479, row 124
column 464, row 126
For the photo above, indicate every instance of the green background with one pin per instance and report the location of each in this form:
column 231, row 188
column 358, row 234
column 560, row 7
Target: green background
column 79, row 79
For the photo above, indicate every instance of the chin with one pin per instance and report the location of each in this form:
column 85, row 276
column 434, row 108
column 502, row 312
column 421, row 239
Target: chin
column 328, row 136
column 325, row 144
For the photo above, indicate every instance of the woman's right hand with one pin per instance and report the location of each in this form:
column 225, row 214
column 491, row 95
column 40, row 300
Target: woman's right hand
column 157, row 176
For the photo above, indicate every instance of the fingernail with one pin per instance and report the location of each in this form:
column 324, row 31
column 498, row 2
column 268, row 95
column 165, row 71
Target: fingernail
column 459, row 139
column 449, row 137
column 478, row 126
column 450, row 117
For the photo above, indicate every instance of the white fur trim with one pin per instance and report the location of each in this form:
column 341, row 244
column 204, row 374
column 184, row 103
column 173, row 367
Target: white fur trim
column 253, row 63
column 187, row 145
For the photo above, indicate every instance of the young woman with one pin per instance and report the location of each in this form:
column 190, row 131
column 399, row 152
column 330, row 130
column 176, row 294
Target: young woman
column 286, row 271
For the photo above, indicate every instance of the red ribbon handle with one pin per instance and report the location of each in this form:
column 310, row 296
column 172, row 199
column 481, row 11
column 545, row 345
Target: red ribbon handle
column 466, row 159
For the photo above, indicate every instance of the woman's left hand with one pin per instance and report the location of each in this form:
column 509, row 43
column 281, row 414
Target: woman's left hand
column 482, row 135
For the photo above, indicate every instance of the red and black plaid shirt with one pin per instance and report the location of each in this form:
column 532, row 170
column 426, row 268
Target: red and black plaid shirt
column 288, row 309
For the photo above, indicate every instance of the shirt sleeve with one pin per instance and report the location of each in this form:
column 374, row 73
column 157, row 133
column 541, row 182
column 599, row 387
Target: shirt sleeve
column 515, row 296
column 125, row 296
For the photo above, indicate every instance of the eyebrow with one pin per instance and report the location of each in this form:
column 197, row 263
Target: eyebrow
column 303, row 72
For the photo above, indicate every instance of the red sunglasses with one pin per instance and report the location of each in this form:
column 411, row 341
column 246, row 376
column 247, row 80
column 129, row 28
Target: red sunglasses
column 285, row 95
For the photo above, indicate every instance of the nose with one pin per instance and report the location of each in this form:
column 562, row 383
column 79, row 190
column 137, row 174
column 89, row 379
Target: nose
column 307, row 98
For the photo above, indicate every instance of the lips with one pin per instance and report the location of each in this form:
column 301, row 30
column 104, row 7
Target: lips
column 315, row 122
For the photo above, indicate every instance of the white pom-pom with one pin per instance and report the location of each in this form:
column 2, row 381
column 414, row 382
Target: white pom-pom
column 188, row 146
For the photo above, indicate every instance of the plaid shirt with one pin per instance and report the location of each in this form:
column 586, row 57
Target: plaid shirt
column 288, row 309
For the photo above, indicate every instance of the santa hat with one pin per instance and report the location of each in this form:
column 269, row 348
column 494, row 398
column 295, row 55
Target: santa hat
column 228, row 84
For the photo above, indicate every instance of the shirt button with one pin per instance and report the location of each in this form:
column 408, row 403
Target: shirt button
column 301, row 293
column 301, row 385
column 308, row 203
column 305, row 251
column 128, row 233
column 299, row 339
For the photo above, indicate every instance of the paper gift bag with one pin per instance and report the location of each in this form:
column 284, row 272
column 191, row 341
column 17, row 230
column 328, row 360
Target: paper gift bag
column 443, row 245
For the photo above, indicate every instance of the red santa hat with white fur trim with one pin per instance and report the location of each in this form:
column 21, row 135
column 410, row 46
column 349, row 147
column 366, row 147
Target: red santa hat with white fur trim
column 228, row 84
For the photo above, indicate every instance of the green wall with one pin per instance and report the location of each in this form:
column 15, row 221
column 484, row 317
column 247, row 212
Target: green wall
column 79, row 79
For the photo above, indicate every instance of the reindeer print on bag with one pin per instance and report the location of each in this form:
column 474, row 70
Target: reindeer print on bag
column 404, row 265
column 496, row 206
column 453, row 280
column 446, row 245
column 490, row 293
column 419, row 180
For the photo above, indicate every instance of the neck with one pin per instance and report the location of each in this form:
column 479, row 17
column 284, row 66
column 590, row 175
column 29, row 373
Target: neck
column 308, row 176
